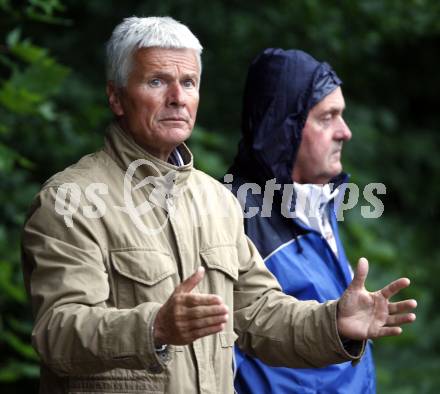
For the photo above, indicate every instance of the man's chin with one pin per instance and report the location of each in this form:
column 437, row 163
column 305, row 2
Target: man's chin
column 335, row 170
column 176, row 136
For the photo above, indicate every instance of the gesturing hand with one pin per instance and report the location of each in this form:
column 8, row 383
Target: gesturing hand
column 188, row 316
column 363, row 315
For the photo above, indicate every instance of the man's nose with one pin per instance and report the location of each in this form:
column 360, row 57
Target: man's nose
column 175, row 95
column 344, row 132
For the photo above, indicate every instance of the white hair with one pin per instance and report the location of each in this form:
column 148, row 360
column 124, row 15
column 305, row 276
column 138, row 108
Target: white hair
column 134, row 33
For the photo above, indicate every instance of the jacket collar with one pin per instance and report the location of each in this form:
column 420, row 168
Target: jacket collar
column 129, row 156
column 311, row 203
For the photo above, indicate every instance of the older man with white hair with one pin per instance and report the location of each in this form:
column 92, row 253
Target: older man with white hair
column 136, row 285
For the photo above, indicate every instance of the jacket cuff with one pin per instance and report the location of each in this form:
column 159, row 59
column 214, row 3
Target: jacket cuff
column 129, row 343
column 157, row 360
column 352, row 349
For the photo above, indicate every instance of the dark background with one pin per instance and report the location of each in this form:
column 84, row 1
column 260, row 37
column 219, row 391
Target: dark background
column 53, row 110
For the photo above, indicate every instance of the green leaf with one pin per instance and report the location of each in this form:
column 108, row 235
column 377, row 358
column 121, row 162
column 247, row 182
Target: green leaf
column 47, row 6
column 47, row 111
column 4, row 129
column 8, row 287
column 19, row 99
column 26, row 91
column 5, row 5
column 15, row 370
column 18, row 345
column 7, row 157
column 13, row 38
column 19, row 326
column 28, row 52
column 25, row 163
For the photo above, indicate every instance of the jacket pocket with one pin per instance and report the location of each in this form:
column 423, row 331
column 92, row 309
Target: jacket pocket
column 223, row 363
column 222, row 258
column 221, row 264
column 227, row 339
column 142, row 276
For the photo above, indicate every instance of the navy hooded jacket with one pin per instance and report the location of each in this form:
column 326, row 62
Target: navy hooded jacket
column 281, row 88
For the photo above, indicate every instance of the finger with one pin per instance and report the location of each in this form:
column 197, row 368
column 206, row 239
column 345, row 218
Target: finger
column 190, row 283
column 397, row 320
column 203, row 332
column 201, row 312
column 360, row 275
column 193, row 300
column 394, row 287
column 197, row 324
column 389, row 332
column 402, row 306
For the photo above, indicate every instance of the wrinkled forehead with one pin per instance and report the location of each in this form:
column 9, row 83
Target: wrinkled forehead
column 332, row 102
column 182, row 60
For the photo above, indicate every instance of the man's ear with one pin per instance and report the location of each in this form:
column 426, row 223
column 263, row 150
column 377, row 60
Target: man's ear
column 114, row 101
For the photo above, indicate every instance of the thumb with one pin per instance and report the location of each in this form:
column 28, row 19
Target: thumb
column 360, row 275
column 190, row 283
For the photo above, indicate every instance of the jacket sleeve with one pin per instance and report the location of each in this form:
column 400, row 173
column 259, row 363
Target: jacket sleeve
column 279, row 329
column 76, row 331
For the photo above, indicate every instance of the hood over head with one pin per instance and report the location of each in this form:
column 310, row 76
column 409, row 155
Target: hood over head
column 281, row 88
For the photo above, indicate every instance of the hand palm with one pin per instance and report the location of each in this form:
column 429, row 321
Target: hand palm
column 363, row 314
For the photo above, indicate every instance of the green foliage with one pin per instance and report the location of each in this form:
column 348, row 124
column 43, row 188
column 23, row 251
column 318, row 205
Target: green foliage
column 53, row 110
column 28, row 90
column 22, row 94
column 30, row 85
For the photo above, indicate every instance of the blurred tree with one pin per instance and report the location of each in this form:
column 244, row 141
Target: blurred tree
column 30, row 82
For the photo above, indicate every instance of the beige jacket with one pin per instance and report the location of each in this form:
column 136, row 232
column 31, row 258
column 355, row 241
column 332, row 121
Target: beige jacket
column 101, row 257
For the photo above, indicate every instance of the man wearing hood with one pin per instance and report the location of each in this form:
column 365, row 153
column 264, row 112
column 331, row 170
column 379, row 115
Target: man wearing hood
column 293, row 130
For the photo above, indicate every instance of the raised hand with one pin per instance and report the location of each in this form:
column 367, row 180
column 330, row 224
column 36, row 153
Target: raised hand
column 363, row 315
column 188, row 316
